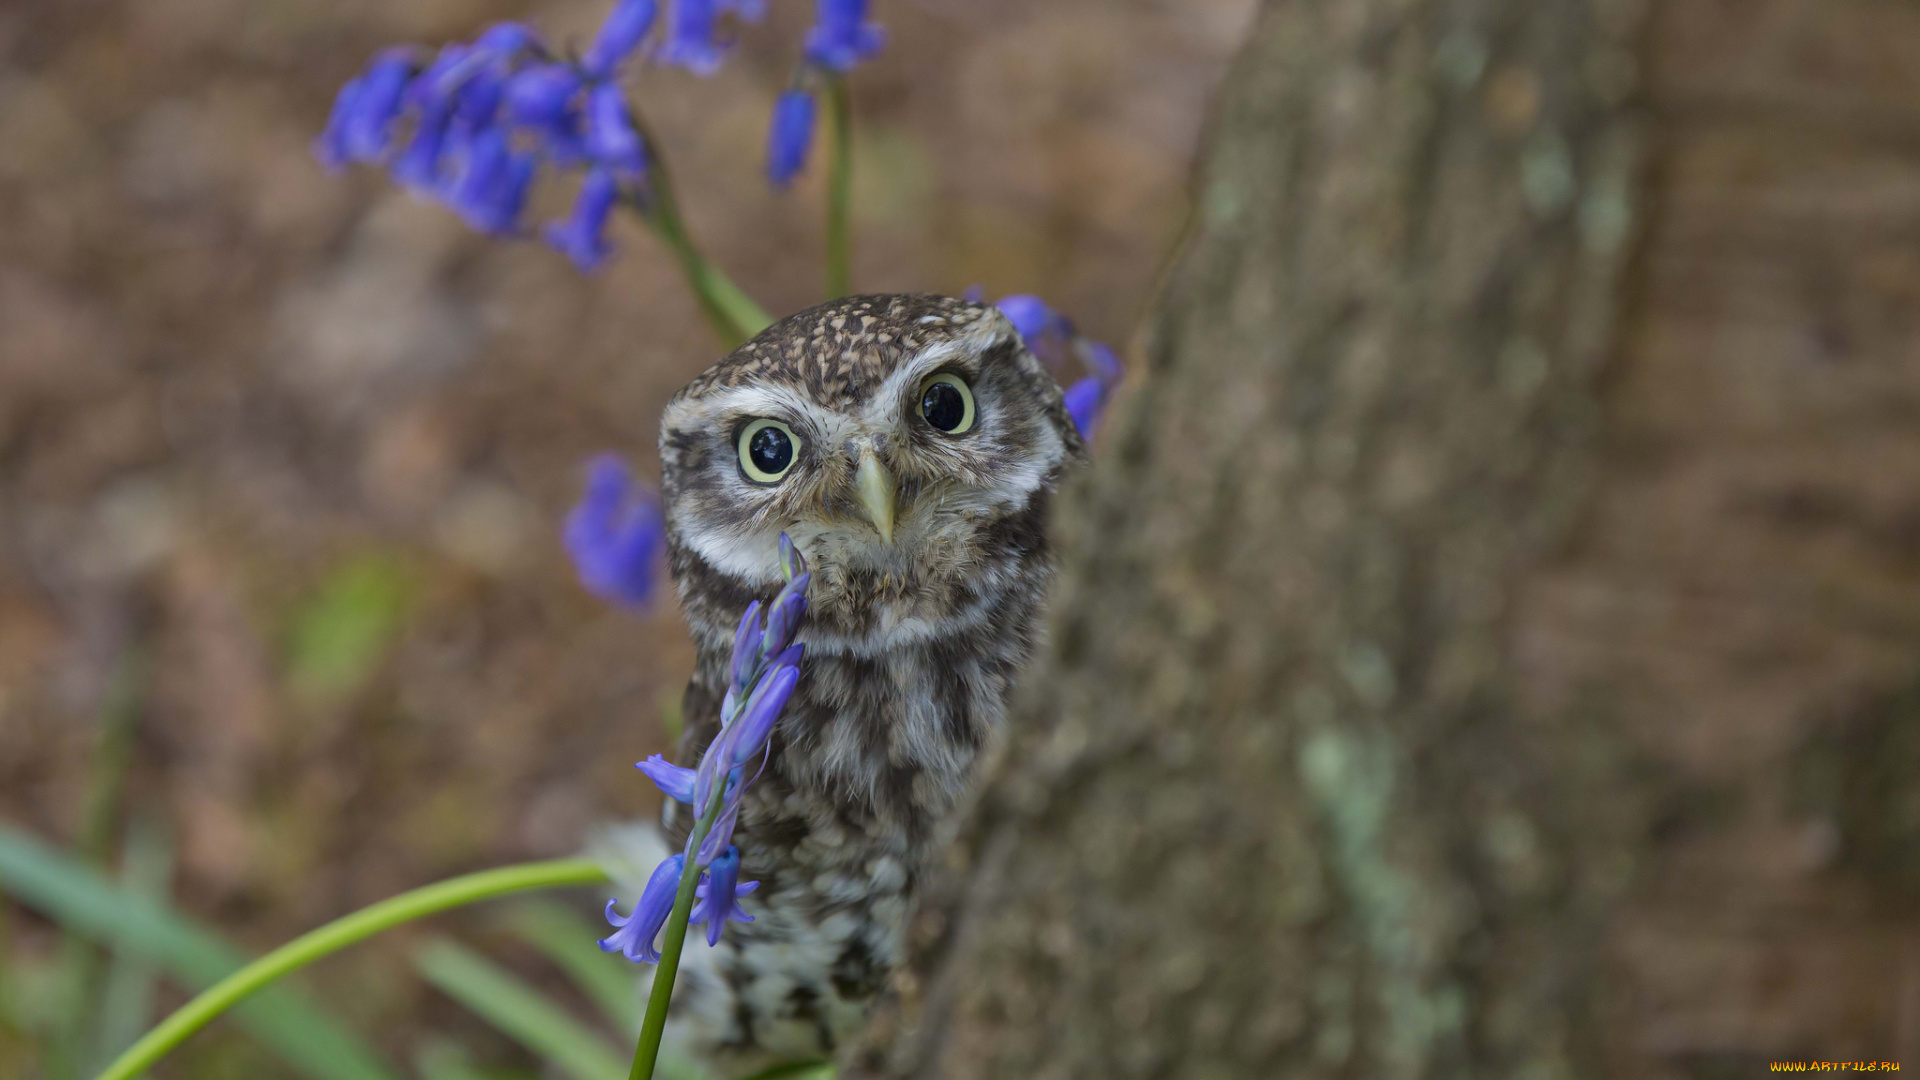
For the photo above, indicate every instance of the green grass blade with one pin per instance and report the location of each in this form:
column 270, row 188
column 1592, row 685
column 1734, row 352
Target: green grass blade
column 798, row 1070
column 81, row 962
column 609, row 981
column 519, row 1011
column 126, row 1001
column 80, row 899
column 444, row 1059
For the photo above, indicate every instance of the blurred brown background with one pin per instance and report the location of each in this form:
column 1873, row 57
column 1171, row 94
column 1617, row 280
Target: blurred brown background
column 301, row 444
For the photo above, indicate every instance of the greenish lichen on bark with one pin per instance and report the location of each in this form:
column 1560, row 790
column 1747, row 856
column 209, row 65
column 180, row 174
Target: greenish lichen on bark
column 1269, row 807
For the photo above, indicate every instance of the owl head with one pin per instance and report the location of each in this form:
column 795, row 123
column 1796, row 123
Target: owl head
column 903, row 442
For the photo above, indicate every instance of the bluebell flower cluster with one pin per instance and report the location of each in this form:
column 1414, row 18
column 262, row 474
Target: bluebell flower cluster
column 471, row 126
column 615, row 535
column 765, row 669
column 842, row 36
column 1052, row 338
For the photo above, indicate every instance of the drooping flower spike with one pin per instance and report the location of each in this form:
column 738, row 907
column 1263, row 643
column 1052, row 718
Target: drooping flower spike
column 764, row 670
column 1052, row 338
column 615, row 534
column 482, row 119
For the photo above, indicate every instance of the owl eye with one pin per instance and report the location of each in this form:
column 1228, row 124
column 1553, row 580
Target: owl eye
column 946, row 402
column 767, row 450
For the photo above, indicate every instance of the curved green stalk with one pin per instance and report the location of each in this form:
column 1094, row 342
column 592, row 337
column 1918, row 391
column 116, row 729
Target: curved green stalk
column 840, row 190
column 733, row 314
column 337, row 935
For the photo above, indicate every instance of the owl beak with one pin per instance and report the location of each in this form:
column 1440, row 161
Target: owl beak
column 874, row 484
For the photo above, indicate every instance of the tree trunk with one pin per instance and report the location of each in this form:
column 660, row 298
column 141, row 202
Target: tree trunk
column 1420, row 702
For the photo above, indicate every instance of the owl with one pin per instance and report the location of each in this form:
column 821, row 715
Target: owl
column 910, row 446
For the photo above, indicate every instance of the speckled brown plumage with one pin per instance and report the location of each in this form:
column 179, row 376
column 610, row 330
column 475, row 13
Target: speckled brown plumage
column 912, row 647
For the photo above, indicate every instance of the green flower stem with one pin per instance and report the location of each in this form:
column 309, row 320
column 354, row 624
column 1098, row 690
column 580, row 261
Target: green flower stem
column 647, row 1050
column 733, row 314
column 337, row 935
column 840, row 190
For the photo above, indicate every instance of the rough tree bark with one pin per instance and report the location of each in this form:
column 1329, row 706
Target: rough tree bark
column 1445, row 631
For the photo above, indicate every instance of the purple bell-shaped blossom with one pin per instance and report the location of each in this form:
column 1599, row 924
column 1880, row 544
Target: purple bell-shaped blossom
column 720, row 895
column 418, row 166
column 361, row 125
column 615, row 534
column 742, row 741
column 492, row 189
column 746, row 647
column 841, row 36
column 612, row 140
column 1031, row 316
column 621, row 33
column 537, row 96
column 1086, row 399
column 582, row 237
column 692, row 41
column 790, row 136
column 634, row 933
column 1051, row 337
column 673, row 781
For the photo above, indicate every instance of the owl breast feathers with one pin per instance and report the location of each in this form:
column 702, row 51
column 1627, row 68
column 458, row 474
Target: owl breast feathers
column 910, row 446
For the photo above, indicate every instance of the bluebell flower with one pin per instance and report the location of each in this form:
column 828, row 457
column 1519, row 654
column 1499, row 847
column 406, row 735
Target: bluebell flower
column 745, row 725
column 507, row 39
column 762, row 710
column 418, row 166
column 746, row 647
column 784, row 618
column 492, row 190
column 1031, row 316
column 1104, row 362
column 691, row 36
column 615, row 534
column 673, row 781
column 634, row 933
column 538, row 95
column 841, row 36
column 720, row 895
column 790, row 136
column 1049, row 335
column 625, row 27
column 792, row 562
column 1085, row 400
column 332, row 147
column 741, row 741
column 582, row 237
column 611, row 138
column 361, row 125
